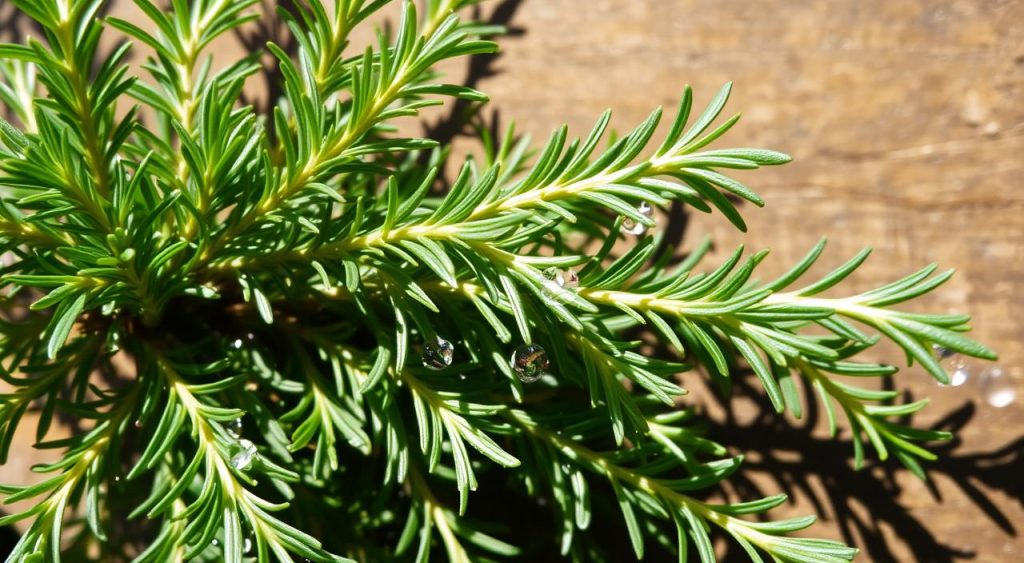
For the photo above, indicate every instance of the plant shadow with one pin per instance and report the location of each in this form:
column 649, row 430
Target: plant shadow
column 802, row 463
column 459, row 118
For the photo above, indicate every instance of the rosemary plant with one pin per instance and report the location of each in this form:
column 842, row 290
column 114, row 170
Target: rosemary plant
column 281, row 337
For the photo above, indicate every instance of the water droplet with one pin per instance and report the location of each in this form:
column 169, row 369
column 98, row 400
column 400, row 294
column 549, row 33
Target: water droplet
column 633, row 227
column 439, row 354
column 530, row 362
column 959, row 375
column 234, row 428
column 246, row 546
column 215, row 542
column 117, row 478
column 559, row 282
column 952, row 363
column 138, row 424
column 941, row 352
column 566, row 279
column 997, row 387
column 237, row 344
column 242, row 455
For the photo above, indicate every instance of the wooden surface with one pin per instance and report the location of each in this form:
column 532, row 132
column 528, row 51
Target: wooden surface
column 906, row 124
column 907, row 128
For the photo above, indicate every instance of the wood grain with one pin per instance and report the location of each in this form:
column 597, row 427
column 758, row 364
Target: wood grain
column 907, row 129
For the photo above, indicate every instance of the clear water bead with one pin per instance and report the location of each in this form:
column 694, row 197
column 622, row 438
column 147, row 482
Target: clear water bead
column 954, row 364
column 943, row 353
column 439, row 354
column 247, row 546
column 959, row 375
column 234, row 428
column 996, row 387
column 565, row 279
column 559, row 281
column 243, row 454
column 530, row 362
column 633, row 227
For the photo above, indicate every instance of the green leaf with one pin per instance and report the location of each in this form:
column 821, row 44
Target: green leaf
column 263, row 306
column 62, row 322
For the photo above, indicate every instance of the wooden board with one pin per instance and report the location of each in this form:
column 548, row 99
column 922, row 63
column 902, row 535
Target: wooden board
column 907, row 129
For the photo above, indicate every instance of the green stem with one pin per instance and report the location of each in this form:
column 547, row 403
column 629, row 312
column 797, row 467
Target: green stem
column 856, row 409
column 312, row 169
column 439, row 516
column 79, row 81
column 236, row 496
column 652, row 486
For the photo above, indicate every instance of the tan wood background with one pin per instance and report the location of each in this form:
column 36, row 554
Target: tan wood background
column 907, row 128
column 906, row 124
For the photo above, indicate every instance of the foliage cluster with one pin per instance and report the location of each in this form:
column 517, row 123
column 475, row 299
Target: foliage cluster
column 230, row 307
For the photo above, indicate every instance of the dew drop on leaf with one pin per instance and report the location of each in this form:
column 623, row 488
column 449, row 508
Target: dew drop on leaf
column 996, row 387
column 941, row 352
column 632, row 227
column 953, row 364
column 559, row 281
column 959, row 375
column 234, row 428
column 438, row 354
column 565, row 279
column 242, row 454
column 530, row 362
